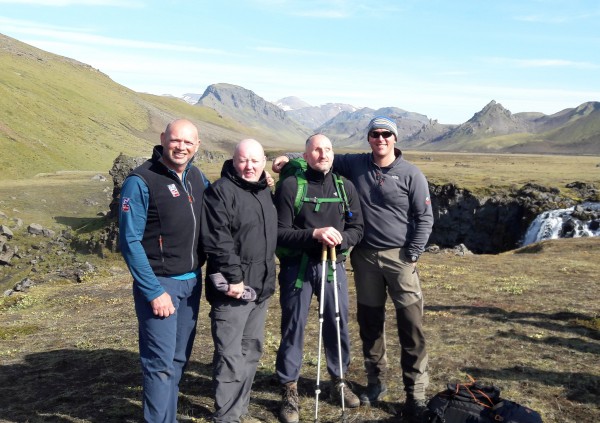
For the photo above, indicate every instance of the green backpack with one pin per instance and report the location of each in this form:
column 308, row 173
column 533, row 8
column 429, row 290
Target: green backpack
column 297, row 168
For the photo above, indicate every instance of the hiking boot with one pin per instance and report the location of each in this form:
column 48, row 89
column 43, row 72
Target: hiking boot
column 414, row 410
column 374, row 392
column 288, row 413
column 350, row 398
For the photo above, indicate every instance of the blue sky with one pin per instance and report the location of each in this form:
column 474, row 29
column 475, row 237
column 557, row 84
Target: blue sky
column 444, row 58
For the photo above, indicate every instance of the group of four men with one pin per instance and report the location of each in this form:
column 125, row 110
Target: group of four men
column 172, row 218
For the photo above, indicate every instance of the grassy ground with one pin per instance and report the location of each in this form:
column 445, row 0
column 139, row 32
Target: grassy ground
column 489, row 171
column 527, row 321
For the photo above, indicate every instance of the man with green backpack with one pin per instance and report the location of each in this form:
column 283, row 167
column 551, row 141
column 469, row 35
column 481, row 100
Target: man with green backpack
column 316, row 209
column 398, row 220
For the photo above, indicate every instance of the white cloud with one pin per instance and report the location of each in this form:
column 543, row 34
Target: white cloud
column 543, row 63
column 64, row 3
column 290, row 51
column 327, row 9
column 83, row 36
column 542, row 19
column 557, row 19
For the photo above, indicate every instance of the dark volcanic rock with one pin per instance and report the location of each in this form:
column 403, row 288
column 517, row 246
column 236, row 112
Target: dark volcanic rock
column 489, row 224
column 122, row 166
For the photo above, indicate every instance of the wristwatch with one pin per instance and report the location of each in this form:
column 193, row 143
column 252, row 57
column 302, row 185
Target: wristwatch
column 413, row 258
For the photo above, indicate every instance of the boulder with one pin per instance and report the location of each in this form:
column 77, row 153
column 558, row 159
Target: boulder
column 24, row 285
column 5, row 231
column 35, row 229
column 6, row 255
column 122, row 166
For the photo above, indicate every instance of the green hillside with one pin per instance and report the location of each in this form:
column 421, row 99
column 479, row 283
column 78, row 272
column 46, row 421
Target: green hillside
column 583, row 129
column 59, row 114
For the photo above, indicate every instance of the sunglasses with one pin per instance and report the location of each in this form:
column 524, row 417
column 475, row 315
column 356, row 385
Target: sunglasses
column 384, row 134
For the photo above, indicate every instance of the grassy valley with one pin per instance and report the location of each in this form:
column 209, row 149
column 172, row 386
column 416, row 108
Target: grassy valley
column 527, row 320
column 481, row 172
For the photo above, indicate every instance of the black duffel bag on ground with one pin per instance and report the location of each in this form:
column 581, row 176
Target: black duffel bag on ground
column 477, row 403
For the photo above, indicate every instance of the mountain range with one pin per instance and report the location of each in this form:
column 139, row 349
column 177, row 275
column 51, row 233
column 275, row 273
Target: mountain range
column 57, row 113
column 492, row 129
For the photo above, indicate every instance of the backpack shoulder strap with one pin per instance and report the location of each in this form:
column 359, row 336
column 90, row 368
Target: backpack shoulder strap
column 339, row 185
column 300, row 192
column 295, row 168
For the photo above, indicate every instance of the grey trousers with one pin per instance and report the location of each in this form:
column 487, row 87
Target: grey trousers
column 378, row 273
column 238, row 336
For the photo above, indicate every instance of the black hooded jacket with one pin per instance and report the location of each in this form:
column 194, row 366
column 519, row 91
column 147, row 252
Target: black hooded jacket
column 239, row 233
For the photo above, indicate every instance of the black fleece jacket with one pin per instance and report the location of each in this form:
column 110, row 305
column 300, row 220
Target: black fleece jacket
column 296, row 231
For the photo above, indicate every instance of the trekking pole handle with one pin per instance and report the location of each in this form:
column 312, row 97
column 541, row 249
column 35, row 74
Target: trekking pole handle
column 324, row 253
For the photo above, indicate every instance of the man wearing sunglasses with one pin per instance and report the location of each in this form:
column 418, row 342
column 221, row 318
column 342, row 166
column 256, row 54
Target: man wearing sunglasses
column 398, row 220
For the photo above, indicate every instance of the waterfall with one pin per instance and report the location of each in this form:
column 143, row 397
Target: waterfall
column 574, row 222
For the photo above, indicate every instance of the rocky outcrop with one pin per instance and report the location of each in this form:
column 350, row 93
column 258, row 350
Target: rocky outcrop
column 496, row 222
column 122, row 166
column 33, row 254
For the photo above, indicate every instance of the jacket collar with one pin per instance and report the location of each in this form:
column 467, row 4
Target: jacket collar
column 229, row 172
column 315, row 175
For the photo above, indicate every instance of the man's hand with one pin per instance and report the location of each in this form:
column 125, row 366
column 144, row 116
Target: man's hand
column 162, row 306
column 328, row 236
column 278, row 163
column 236, row 290
column 270, row 180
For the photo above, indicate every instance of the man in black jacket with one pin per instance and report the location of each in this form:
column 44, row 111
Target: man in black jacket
column 239, row 235
column 336, row 222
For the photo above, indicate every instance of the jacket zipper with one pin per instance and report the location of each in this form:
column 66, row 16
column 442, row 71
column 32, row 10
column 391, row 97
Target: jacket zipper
column 160, row 246
column 189, row 193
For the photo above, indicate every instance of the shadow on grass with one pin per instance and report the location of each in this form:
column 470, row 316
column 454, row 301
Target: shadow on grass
column 559, row 322
column 579, row 387
column 571, row 343
column 83, row 224
column 96, row 386
column 103, row 385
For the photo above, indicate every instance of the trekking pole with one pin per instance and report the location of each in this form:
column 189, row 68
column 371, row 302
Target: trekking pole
column 333, row 258
column 321, row 309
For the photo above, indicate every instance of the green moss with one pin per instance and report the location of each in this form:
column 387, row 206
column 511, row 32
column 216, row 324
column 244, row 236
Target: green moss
column 16, row 331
